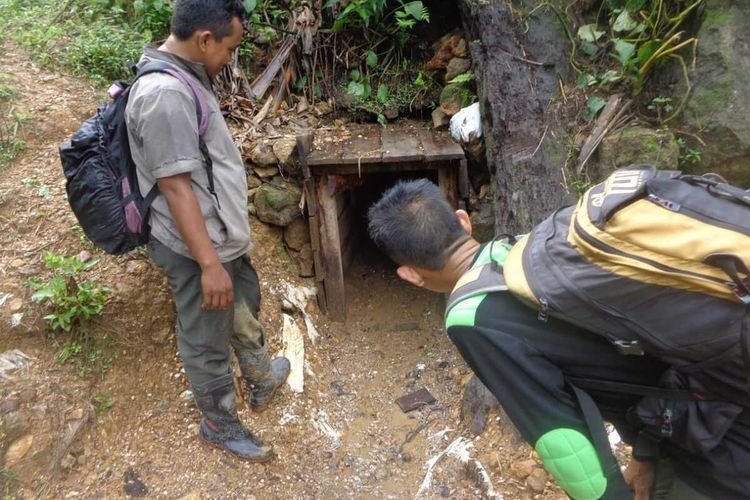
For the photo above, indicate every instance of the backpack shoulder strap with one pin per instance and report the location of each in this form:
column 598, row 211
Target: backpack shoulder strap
column 199, row 96
column 486, row 276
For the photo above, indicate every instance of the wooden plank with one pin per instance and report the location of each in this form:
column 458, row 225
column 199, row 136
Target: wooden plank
column 439, row 146
column 400, row 145
column 331, row 249
column 325, row 153
column 376, row 168
column 463, row 179
column 364, row 146
column 448, row 181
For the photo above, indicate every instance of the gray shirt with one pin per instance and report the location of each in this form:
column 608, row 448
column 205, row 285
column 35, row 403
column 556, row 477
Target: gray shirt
column 163, row 136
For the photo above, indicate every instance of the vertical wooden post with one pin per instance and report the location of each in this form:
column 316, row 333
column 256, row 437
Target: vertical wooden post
column 331, row 246
column 448, row 182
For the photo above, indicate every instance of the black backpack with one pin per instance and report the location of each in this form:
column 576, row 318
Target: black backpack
column 102, row 184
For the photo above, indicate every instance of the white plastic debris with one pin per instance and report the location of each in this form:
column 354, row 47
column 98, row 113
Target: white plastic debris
column 12, row 361
column 15, row 319
column 294, row 351
column 320, row 422
column 460, row 449
column 466, row 125
column 3, row 298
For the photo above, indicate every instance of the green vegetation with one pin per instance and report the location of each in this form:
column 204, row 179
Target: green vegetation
column 626, row 41
column 8, row 482
column 93, row 38
column 74, row 302
column 11, row 120
column 102, row 402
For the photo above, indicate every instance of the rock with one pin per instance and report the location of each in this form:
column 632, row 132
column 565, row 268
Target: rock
column 636, row 145
column 16, row 263
column 187, row 395
column 323, row 108
column 266, row 172
column 483, row 221
column 277, row 203
column 305, row 262
column 263, row 155
column 448, row 46
column 439, row 119
column 84, row 256
column 460, row 49
column 522, row 470
column 302, row 105
column 68, row 462
column 285, row 150
column 251, row 208
column 718, row 109
column 537, row 481
column 161, row 335
column 391, row 113
column 14, row 424
column 133, row 486
column 76, row 414
column 15, row 305
column 451, row 99
column 18, row 449
column 476, row 405
column 456, row 66
column 9, row 405
column 253, row 182
column 297, row 234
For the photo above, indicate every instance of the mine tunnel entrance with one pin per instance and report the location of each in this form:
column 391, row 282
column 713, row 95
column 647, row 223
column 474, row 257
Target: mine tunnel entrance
column 346, row 174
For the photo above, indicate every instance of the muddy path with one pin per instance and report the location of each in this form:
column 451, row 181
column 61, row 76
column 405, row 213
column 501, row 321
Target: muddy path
column 344, row 437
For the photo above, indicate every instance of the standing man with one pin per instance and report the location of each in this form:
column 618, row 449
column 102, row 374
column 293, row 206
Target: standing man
column 200, row 233
column 532, row 366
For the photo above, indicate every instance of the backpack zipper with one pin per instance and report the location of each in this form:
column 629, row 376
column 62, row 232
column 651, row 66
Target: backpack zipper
column 662, row 267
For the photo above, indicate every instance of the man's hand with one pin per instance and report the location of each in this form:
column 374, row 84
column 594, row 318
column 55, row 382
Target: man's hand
column 639, row 476
column 217, row 287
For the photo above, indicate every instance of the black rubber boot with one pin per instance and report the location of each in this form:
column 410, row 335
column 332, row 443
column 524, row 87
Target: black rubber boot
column 262, row 375
column 221, row 427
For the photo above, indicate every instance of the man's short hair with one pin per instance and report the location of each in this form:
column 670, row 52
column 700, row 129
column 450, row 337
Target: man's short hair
column 414, row 224
column 216, row 16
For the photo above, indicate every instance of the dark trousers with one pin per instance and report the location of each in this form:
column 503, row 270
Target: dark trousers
column 527, row 364
column 204, row 337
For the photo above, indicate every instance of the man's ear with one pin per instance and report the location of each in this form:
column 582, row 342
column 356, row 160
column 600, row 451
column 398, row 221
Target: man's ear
column 409, row 274
column 202, row 38
column 465, row 220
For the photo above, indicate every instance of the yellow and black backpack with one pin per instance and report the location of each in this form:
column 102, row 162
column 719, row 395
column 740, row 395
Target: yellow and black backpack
column 656, row 262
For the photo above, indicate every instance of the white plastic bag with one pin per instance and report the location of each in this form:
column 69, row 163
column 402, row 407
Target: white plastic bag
column 466, row 125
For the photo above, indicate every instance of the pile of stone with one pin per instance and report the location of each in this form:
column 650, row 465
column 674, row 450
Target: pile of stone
column 275, row 196
column 452, row 59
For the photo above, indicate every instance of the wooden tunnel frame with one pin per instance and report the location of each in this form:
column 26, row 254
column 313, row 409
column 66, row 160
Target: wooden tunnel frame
column 372, row 150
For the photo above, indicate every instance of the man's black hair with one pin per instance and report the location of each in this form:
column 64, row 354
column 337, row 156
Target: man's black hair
column 216, row 16
column 414, row 224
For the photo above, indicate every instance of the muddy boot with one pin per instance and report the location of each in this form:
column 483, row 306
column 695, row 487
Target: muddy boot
column 220, row 425
column 262, row 375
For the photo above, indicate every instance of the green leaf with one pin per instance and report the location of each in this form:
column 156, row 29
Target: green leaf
column 624, row 51
column 589, row 33
column 356, row 89
column 635, row 5
column 355, row 75
column 42, row 293
column 593, row 106
column 415, row 10
column 382, row 120
column 382, row 93
column 331, row 3
column 624, row 22
column 250, row 5
column 371, row 59
column 585, row 80
column 463, row 78
column 646, row 50
column 590, row 49
column 610, row 76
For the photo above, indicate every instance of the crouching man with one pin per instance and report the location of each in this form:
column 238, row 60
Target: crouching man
column 529, row 364
column 200, row 233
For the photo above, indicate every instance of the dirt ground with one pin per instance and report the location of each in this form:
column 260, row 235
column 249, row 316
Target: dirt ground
column 344, row 437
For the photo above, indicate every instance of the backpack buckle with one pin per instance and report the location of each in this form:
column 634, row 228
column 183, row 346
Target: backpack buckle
column 629, row 347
